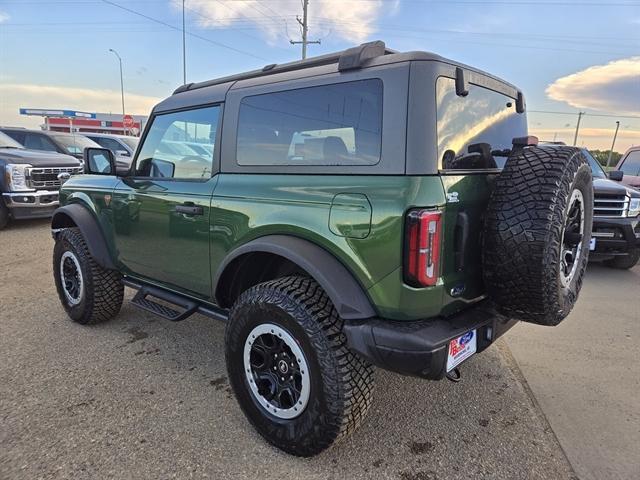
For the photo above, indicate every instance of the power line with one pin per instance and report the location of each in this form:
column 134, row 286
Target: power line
column 304, row 23
column 608, row 115
column 135, row 12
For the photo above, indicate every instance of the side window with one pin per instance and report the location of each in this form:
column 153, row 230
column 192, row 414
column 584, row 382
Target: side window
column 631, row 164
column 338, row 124
column 39, row 142
column 475, row 131
column 17, row 136
column 166, row 151
column 109, row 143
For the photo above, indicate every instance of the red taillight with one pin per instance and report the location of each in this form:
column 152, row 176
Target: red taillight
column 422, row 248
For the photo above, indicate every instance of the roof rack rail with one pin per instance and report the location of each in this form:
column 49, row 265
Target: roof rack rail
column 349, row 59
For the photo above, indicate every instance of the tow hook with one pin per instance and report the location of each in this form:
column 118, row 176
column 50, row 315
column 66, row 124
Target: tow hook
column 454, row 375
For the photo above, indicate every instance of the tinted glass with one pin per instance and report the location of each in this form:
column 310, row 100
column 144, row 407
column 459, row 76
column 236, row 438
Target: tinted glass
column 474, row 131
column 166, row 152
column 596, row 168
column 631, row 164
column 36, row 141
column 17, row 136
column 7, row 142
column 339, row 124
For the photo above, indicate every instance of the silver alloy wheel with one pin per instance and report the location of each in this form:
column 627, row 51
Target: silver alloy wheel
column 71, row 278
column 276, row 371
column 572, row 235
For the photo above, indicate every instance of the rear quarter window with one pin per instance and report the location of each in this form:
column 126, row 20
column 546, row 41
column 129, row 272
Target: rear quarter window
column 337, row 124
column 475, row 131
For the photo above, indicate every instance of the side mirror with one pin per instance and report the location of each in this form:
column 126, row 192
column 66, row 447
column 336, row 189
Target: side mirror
column 616, row 175
column 123, row 153
column 99, row 161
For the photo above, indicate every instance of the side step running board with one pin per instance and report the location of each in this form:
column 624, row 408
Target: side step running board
column 185, row 306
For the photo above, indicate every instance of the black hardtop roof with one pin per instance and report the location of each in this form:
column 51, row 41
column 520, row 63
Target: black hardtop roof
column 349, row 59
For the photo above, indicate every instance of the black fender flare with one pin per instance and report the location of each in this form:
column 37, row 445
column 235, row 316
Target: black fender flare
column 345, row 292
column 90, row 229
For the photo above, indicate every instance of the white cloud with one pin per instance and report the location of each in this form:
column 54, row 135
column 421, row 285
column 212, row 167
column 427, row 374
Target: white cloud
column 614, row 87
column 4, row 17
column 13, row 96
column 353, row 21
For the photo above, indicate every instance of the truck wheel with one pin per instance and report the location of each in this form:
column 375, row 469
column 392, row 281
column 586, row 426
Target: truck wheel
column 537, row 232
column 624, row 262
column 290, row 368
column 4, row 214
column 89, row 293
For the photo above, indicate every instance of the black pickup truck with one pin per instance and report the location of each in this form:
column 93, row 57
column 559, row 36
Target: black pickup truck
column 30, row 180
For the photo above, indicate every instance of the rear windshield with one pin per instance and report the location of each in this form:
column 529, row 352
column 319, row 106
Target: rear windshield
column 475, row 131
column 338, row 124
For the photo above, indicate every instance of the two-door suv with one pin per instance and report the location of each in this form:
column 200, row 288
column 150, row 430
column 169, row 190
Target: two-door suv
column 363, row 208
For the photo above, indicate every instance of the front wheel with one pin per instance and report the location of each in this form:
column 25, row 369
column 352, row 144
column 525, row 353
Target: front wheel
column 89, row 293
column 290, row 368
column 4, row 214
column 624, row 262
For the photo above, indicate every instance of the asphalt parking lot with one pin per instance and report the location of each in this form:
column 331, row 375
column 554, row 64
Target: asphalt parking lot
column 140, row 397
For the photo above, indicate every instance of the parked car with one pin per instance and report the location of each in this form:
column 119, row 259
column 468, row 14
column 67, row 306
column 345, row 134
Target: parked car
column 122, row 146
column 50, row 141
column 616, row 220
column 30, row 180
column 615, row 238
column 354, row 213
column 628, row 168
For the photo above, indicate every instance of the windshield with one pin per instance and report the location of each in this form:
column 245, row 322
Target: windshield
column 7, row 142
column 132, row 142
column 75, row 144
column 596, row 168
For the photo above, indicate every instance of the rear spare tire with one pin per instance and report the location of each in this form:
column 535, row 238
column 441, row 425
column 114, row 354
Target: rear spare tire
column 537, row 233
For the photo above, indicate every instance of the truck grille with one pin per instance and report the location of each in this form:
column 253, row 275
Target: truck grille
column 608, row 205
column 47, row 178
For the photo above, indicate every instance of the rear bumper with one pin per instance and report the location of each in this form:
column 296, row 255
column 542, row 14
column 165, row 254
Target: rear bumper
column 419, row 348
column 37, row 204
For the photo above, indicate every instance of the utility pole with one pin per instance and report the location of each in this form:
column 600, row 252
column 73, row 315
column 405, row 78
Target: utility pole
column 184, row 48
column 305, row 29
column 613, row 144
column 575, row 138
column 121, row 82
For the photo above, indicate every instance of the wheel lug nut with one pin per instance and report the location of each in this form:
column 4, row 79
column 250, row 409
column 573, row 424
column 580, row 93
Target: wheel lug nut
column 282, row 378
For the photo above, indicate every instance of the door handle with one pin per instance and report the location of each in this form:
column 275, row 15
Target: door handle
column 189, row 208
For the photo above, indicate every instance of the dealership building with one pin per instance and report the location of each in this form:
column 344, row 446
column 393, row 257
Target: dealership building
column 71, row 120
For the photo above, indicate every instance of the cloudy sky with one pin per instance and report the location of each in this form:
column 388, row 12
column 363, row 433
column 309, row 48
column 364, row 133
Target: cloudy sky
column 566, row 55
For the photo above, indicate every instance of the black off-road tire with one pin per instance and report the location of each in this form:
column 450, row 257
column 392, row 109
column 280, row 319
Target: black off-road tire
column 4, row 214
column 102, row 291
column 341, row 382
column 524, row 241
column 624, row 262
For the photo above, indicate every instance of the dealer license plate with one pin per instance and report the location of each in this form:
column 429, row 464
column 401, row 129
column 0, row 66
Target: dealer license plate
column 460, row 349
column 592, row 244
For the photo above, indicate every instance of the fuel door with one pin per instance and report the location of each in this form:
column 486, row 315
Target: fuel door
column 350, row 215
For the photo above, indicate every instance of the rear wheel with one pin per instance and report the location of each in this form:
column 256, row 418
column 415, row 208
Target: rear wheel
column 89, row 293
column 537, row 232
column 624, row 262
column 290, row 368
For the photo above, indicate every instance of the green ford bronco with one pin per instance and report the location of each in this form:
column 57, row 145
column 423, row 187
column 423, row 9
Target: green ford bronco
column 359, row 209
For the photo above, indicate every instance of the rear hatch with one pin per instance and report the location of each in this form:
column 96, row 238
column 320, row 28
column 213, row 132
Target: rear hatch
column 475, row 132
